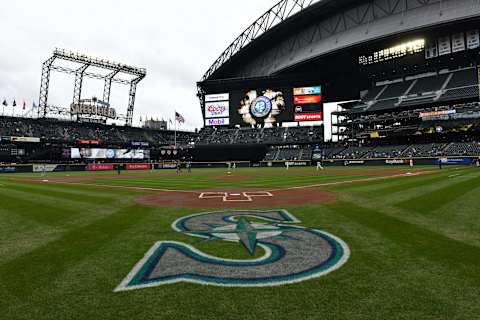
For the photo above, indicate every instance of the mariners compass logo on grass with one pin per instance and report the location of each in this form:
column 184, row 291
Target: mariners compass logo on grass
column 291, row 253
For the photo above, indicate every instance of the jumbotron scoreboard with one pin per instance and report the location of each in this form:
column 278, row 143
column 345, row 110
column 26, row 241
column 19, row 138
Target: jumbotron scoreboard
column 267, row 105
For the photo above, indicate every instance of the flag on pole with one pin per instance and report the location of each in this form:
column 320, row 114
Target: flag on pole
column 170, row 120
column 141, row 119
column 179, row 118
column 5, row 103
column 34, row 105
column 14, row 103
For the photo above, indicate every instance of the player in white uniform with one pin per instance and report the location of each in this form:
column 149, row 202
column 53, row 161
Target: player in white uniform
column 319, row 166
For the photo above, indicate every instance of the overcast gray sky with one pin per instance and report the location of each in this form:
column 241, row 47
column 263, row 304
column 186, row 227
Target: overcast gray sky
column 176, row 41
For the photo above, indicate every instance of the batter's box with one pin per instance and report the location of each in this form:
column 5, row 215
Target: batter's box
column 235, row 196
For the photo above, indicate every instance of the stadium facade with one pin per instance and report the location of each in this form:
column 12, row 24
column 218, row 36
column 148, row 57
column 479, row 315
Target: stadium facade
column 403, row 75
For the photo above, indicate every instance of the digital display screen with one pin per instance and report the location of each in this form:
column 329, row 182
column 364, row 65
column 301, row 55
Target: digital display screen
column 261, row 106
column 264, row 106
column 90, row 153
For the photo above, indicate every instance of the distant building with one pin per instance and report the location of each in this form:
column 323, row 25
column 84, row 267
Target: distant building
column 155, row 124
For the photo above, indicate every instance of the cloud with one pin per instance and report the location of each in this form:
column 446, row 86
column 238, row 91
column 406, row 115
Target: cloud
column 176, row 41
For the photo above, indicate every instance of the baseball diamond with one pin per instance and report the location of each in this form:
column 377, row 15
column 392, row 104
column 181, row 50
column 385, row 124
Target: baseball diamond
column 324, row 165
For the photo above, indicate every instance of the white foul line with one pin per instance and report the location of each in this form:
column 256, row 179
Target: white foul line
column 251, row 194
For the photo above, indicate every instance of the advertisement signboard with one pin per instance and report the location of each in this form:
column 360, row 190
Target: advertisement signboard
column 100, row 167
column 219, row 109
column 25, row 139
column 473, row 39
column 444, row 46
column 307, row 91
column 353, row 162
column 397, row 162
column 431, row 114
column 138, row 166
column 217, row 122
column 314, row 116
column 8, row 169
column 140, row 144
column 312, row 99
column 458, row 42
column 44, row 167
column 457, row 161
column 89, row 142
column 217, row 97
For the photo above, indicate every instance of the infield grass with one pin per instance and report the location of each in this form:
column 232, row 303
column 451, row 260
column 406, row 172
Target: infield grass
column 414, row 241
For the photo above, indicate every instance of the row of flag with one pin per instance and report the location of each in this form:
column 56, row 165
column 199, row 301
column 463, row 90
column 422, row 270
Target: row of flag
column 14, row 104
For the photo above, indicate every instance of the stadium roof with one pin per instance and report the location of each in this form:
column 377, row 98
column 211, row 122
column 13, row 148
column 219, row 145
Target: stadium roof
column 279, row 13
column 296, row 31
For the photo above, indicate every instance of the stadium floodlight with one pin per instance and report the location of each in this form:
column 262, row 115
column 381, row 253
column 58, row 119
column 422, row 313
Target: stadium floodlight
column 86, row 62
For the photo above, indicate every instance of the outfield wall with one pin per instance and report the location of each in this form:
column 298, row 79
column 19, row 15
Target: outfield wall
column 30, row 168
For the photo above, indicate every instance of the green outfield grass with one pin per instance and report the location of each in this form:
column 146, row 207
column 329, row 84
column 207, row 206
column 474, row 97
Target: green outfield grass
column 414, row 241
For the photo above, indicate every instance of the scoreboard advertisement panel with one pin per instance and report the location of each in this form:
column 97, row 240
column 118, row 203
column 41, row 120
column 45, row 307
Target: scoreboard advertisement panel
column 267, row 105
column 220, row 109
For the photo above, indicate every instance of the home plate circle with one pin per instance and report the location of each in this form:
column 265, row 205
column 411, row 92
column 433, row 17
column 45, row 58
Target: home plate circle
column 245, row 199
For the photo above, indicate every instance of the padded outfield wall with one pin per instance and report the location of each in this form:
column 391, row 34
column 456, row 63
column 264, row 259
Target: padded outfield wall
column 39, row 168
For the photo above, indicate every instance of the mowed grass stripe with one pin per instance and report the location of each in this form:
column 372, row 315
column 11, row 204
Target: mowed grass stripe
column 47, row 191
column 374, row 185
column 462, row 258
column 34, row 208
column 431, row 201
column 52, row 208
column 390, row 188
column 39, row 268
column 57, row 199
column 77, row 189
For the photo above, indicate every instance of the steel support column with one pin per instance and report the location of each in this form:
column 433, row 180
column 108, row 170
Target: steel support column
column 77, row 90
column 44, row 87
column 131, row 100
column 108, row 86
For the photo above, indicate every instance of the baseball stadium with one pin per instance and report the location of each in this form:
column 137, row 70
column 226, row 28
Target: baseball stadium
column 336, row 176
